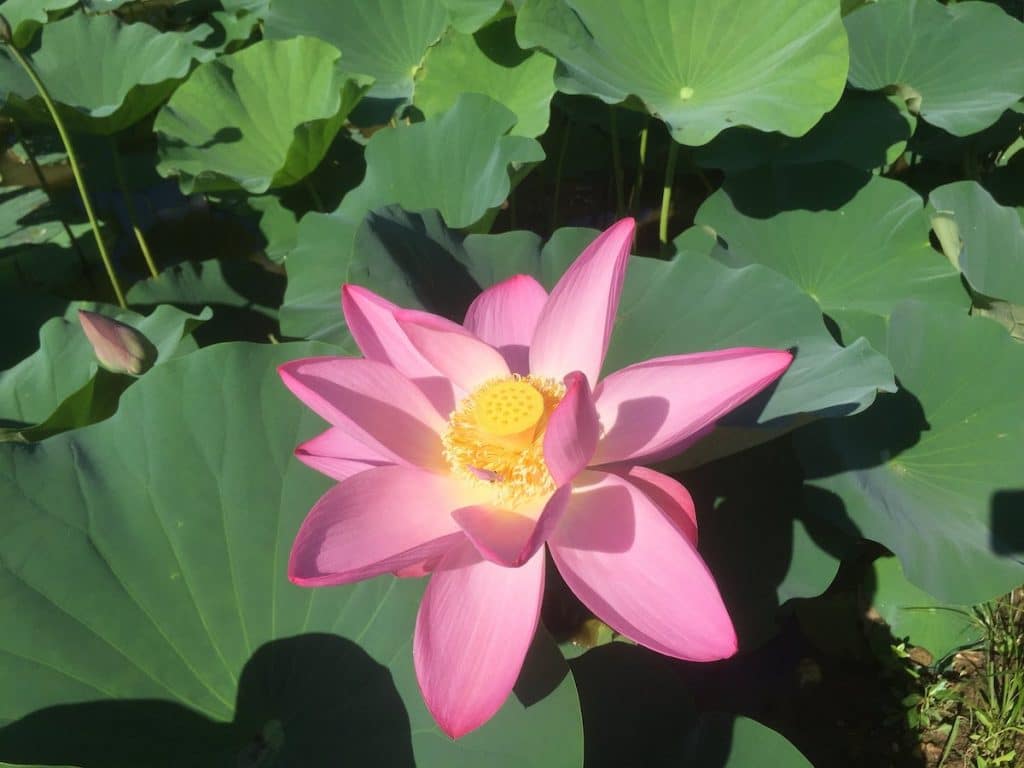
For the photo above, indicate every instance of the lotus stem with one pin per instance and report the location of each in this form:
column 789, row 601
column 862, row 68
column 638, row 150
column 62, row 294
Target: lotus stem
column 129, row 205
column 638, row 182
column 666, row 191
column 318, row 202
column 75, row 170
column 620, row 197
column 558, row 173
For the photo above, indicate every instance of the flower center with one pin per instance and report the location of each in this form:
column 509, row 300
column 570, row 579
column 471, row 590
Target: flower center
column 495, row 437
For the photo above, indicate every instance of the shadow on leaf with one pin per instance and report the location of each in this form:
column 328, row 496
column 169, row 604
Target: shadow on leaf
column 311, row 700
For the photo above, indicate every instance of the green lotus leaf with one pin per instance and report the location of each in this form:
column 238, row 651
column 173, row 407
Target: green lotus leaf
column 141, row 66
column 61, row 387
column 148, row 619
column 857, row 261
column 934, row 472
column 695, row 303
column 25, row 17
column 940, row 628
column 638, row 711
column 385, row 39
column 278, row 226
column 729, row 741
column 244, row 297
column 959, row 66
column 491, row 63
column 983, row 239
column 39, row 250
column 701, row 66
column 757, row 537
column 865, row 130
column 259, row 118
column 467, row 16
column 458, row 163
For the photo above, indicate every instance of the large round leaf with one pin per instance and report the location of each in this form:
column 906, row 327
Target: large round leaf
column 148, row 620
column 728, row 741
column 468, row 16
column 958, row 65
column 260, row 118
column 385, row 39
column 26, row 16
column 638, row 712
column 489, row 63
column 693, row 303
column 703, row 65
column 934, row 472
column 457, row 163
column 940, row 628
column 857, row 261
column 983, row 239
column 140, row 67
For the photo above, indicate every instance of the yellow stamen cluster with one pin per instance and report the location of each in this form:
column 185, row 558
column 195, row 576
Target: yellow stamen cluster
column 495, row 438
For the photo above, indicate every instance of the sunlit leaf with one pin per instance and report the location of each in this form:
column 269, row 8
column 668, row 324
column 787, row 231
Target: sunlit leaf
column 260, row 118
column 141, row 66
column 940, row 628
column 457, row 163
column 385, row 39
column 489, row 63
column 857, row 261
column 701, row 66
column 934, row 471
column 987, row 240
column 158, row 600
column 958, row 65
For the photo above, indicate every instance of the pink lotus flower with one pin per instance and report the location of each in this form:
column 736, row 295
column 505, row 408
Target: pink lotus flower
column 461, row 450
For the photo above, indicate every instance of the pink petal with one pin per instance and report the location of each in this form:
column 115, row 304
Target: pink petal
column 381, row 520
column 505, row 316
column 576, row 323
column 373, row 403
column 474, row 627
column 453, row 350
column 371, row 320
column 510, row 537
column 338, row 455
column 649, row 409
column 571, row 434
column 629, row 564
column 118, row 346
column 670, row 496
column 417, row 571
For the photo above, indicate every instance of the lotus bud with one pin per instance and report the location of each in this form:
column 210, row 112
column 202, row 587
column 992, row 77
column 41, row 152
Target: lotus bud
column 118, row 347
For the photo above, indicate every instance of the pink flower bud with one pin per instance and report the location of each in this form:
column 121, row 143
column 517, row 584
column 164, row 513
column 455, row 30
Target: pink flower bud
column 118, row 347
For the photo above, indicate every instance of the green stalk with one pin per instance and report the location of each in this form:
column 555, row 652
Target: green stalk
column 666, row 191
column 620, row 197
column 129, row 205
column 318, row 202
column 558, row 174
column 638, row 182
column 75, row 170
